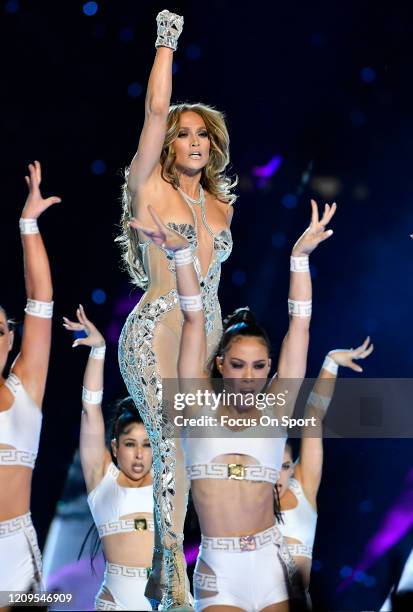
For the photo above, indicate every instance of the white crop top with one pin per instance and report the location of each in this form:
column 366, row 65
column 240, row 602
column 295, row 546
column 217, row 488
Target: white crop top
column 268, row 452
column 109, row 502
column 20, row 427
column 299, row 523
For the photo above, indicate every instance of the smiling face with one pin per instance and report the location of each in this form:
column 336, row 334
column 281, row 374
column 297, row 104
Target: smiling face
column 287, row 471
column 246, row 364
column 6, row 340
column 133, row 452
column 192, row 144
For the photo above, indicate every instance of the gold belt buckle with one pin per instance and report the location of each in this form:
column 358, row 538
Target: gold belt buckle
column 236, row 471
column 247, row 543
column 141, row 524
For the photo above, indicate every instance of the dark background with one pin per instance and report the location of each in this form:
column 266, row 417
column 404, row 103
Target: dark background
column 326, row 86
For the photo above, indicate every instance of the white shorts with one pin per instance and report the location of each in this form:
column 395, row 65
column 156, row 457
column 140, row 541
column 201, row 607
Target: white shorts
column 20, row 558
column 246, row 572
column 126, row 585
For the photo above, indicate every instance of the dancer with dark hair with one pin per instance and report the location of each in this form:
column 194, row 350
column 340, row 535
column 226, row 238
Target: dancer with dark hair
column 119, row 482
column 232, row 477
column 21, row 397
column 299, row 481
column 180, row 169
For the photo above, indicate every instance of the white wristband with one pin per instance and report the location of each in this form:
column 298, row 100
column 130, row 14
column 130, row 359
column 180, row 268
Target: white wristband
column 35, row 308
column 190, row 302
column 298, row 308
column 299, row 264
column 28, row 226
column 330, row 365
column 98, row 352
column 183, row 257
column 319, row 401
column 92, row 397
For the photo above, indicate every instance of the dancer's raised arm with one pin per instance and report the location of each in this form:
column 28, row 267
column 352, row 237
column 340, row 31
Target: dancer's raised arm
column 158, row 96
column 93, row 452
column 192, row 354
column 309, row 466
column 293, row 356
column 32, row 363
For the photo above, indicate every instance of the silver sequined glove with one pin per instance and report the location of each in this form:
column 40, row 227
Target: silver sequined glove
column 169, row 29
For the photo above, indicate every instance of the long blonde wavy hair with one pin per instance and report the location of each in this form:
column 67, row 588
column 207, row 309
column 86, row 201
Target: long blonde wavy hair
column 213, row 179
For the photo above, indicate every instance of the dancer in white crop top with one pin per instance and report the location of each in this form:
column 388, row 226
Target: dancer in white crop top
column 299, row 482
column 21, row 397
column 243, row 561
column 119, row 483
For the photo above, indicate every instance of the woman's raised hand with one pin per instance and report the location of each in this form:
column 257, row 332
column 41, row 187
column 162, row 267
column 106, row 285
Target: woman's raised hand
column 345, row 357
column 161, row 234
column 93, row 338
column 316, row 232
column 35, row 204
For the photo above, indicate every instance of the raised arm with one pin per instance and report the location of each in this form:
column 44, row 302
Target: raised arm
column 94, row 455
column 310, row 463
column 192, row 353
column 32, row 363
column 158, row 96
column 292, row 361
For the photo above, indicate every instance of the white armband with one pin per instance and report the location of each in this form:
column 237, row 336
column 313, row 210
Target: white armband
column 299, row 264
column 299, row 308
column 28, row 226
column 183, row 257
column 190, row 302
column 92, row 397
column 330, row 365
column 97, row 352
column 44, row 310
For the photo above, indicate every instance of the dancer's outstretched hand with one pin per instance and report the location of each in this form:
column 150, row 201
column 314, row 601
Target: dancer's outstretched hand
column 161, row 234
column 35, row 204
column 316, row 232
column 93, row 338
column 345, row 357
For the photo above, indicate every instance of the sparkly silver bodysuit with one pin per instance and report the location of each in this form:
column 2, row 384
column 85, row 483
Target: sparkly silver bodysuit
column 148, row 352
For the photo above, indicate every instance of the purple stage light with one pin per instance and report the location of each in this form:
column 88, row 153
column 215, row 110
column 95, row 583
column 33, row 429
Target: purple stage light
column 397, row 522
column 191, row 554
column 267, row 171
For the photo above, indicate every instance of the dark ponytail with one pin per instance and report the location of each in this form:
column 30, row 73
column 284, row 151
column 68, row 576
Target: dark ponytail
column 241, row 322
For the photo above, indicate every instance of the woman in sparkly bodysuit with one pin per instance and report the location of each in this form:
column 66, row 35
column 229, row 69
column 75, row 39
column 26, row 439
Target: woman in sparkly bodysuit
column 179, row 169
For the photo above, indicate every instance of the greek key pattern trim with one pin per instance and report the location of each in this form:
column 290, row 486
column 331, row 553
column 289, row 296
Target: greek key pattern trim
column 127, row 571
column 12, row 456
column 190, row 302
column 14, row 525
column 36, row 308
column 244, row 543
column 205, row 581
column 257, row 473
column 300, row 550
column 125, row 525
column 299, row 308
column 299, row 264
column 28, row 226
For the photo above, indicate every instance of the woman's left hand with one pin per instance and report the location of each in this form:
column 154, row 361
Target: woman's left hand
column 93, row 337
column 316, row 232
column 36, row 204
column 345, row 357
